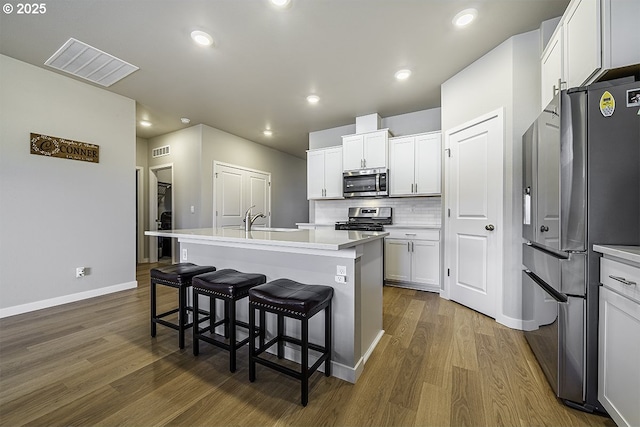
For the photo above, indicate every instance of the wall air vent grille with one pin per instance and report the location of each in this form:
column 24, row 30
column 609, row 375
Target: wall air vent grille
column 87, row 62
column 160, row 151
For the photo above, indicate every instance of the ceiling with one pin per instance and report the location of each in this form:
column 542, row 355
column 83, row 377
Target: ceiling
column 267, row 60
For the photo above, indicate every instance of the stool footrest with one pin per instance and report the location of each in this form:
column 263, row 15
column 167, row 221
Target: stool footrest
column 280, row 368
column 172, row 325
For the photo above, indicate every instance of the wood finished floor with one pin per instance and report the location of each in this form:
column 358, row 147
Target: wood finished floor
column 93, row 363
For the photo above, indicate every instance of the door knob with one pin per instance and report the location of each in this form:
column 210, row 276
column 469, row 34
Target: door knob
column 489, row 227
column 544, row 228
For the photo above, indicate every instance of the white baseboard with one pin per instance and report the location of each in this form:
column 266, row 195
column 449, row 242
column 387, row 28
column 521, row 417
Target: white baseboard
column 52, row 302
column 513, row 323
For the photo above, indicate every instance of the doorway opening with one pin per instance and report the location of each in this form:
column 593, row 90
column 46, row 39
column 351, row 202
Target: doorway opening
column 161, row 208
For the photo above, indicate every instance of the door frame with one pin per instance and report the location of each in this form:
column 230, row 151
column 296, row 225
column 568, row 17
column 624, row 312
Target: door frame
column 448, row 261
column 216, row 164
column 140, row 237
column 153, row 210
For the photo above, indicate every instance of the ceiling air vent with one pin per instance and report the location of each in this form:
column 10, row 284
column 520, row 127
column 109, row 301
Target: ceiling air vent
column 87, row 62
column 160, row 151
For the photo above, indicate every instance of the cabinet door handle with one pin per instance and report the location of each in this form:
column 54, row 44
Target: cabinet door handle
column 623, row 280
column 412, row 188
column 408, row 246
column 411, row 246
column 416, row 187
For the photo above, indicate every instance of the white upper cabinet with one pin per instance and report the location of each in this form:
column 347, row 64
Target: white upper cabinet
column 324, row 173
column 551, row 68
column 415, row 165
column 365, row 151
column 582, row 41
column 593, row 36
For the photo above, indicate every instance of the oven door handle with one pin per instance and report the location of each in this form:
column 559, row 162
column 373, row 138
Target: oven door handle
column 558, row 296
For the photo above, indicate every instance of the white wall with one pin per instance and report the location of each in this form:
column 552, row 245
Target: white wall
column 193, row 151
column 58, row 214
column 288, row 175
column 508, row 77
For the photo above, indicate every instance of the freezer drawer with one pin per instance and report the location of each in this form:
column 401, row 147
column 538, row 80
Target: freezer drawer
column 565, row 275
column 558, row 342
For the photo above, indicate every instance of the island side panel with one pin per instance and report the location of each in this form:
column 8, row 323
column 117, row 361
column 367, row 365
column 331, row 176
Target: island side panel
column 304, row 268
column 371, row 280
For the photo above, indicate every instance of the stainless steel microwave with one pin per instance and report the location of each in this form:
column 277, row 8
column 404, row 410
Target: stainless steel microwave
column 365, row 183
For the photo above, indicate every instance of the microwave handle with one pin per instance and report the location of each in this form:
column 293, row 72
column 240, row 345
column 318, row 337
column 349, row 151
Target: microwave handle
column 377, row 182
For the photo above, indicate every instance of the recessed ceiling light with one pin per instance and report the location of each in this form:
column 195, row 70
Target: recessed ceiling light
column 267, row 132
column 185, row 121
column 280, row 3
column 145, row 123
column 313, row 99
column 403, row 74
column 465, row 17
column 201, row 38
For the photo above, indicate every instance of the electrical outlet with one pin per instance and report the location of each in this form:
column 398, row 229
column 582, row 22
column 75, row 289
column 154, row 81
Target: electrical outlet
column 341, row 270
column 184, row 254
column 341, row 279
column 79, row 272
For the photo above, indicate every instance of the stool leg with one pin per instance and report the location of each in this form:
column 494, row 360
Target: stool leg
column 196, row 323
column 153, row 308
column 182, row 314
column 231, row 311
column 252, row 341
column 305, row 362
column 327, row 340
column 212, row 314
column 280, row 335
column 263, row 327
column 226, row 319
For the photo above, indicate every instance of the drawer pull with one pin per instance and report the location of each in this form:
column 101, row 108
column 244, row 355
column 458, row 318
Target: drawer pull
column 622, row 280
column 409, row 234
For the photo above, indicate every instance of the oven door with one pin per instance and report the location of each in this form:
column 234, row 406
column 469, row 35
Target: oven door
column 556, row 336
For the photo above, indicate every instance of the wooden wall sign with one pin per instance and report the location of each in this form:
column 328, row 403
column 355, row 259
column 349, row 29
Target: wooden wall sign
column 52, row 146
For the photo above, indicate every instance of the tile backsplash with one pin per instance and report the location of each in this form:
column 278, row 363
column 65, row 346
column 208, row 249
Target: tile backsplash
column 406, row 211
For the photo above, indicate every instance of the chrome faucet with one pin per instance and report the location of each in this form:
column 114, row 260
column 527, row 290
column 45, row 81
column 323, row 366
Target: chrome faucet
column 249, row 220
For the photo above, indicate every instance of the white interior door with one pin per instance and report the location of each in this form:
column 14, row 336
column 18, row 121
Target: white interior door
column 258, row 196
column 235, row 190
column 474, row 217
column 229, row 189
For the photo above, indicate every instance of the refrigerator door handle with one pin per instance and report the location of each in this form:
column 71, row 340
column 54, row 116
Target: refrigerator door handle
column 559, row 297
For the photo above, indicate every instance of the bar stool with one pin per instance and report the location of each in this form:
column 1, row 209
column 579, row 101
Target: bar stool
column 229, row 286
column 176, row 276
column 287, row 298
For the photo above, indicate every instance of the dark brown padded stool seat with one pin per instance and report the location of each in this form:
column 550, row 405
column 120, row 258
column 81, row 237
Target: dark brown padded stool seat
column 177, row 276
column 229, row 286
column 287, row 298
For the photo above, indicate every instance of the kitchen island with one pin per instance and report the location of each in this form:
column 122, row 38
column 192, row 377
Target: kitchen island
column 310, row 257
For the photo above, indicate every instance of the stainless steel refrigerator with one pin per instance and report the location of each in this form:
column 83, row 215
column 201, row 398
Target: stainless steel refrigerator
column 581, row 179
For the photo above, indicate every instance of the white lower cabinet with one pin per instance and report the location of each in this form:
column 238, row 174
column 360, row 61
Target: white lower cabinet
column 619, row 342
column 412, row 259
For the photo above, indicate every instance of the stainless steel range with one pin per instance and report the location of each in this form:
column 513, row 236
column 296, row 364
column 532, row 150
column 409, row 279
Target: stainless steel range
column 366, row 219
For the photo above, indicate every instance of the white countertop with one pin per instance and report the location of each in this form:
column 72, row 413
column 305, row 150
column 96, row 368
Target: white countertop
column 412, row 226
column 629, row 253
column 325, row 239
